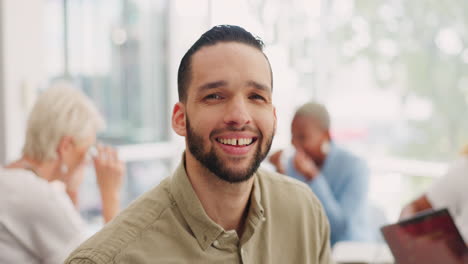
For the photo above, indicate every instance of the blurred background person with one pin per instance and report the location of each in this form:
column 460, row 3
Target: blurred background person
column 450, row 191
column 38, row 222
column 336, row 176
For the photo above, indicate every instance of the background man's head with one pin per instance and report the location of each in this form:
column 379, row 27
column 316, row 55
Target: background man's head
column 311, row 130
column 225, row 109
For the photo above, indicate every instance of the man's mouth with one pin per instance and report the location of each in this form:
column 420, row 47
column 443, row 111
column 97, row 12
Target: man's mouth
column 239, row 142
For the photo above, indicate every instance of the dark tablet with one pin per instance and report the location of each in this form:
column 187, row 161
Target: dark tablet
column 430, row 237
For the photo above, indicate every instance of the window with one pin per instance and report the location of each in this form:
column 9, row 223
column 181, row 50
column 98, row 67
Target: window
column 117, row 52
column 396, row 85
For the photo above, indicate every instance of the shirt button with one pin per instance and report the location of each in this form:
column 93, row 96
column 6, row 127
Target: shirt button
column 216, row 243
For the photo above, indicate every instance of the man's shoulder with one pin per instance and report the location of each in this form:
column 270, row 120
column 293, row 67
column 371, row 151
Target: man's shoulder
column 347, row 161
column 345, row 155
column 277, row 179
column 287, row 200
column 286, row 190
column 126, row 228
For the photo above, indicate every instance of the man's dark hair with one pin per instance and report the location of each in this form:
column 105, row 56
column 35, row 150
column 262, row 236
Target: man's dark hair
column 221, row 33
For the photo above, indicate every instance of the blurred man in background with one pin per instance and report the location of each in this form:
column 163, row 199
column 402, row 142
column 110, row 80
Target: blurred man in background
column 336, row 176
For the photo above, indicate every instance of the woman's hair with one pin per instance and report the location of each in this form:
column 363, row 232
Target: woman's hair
column 61, row 110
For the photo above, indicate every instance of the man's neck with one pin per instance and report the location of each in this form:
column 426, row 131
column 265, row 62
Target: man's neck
column 225, row 203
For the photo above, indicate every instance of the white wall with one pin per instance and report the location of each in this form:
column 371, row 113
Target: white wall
column 185, row 27
column 21, row 66
column 2, row 96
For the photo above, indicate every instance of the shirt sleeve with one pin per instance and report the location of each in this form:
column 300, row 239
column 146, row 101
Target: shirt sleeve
column 46, row 224
column 447, row 191
column 340, row 210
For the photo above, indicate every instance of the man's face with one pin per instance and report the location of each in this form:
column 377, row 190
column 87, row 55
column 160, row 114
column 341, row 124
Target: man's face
column 230, row 119
column 308, row 136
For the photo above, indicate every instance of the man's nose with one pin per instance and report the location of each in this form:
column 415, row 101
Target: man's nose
column 237, row 113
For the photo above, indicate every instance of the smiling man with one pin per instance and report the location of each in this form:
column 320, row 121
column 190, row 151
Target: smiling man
column 218, row 207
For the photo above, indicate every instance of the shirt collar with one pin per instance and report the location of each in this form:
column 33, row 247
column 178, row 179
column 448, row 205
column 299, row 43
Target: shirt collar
column 205, row 230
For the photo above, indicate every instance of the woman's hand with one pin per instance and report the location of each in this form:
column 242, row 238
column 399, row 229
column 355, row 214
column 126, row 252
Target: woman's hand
column 109, row 176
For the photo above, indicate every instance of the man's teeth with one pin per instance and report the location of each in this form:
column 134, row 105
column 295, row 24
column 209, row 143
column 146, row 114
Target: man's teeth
column 236, row 141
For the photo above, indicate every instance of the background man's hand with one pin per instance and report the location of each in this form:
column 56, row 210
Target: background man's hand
column 305, row 165
column 275, row 159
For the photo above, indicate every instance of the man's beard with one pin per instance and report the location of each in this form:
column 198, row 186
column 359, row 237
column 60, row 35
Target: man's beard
column 211, row 160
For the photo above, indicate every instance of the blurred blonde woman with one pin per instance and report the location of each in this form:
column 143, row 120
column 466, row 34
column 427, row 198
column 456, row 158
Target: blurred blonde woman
column 450, row 191
column 39, row 223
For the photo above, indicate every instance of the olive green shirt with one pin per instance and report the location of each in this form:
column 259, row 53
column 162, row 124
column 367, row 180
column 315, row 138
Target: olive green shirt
column 285, row 224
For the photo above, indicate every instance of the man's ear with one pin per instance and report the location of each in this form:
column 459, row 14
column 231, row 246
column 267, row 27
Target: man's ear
column 274, row 115
column 274, row 120
column 178, row 119
column 274, row 112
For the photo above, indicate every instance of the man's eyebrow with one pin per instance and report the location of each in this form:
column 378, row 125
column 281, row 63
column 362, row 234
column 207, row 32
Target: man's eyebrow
column 258, row 85
column 212, row 85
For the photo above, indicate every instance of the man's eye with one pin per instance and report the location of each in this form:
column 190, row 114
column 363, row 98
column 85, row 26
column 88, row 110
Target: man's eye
column 213, row 97
column 257, row 97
